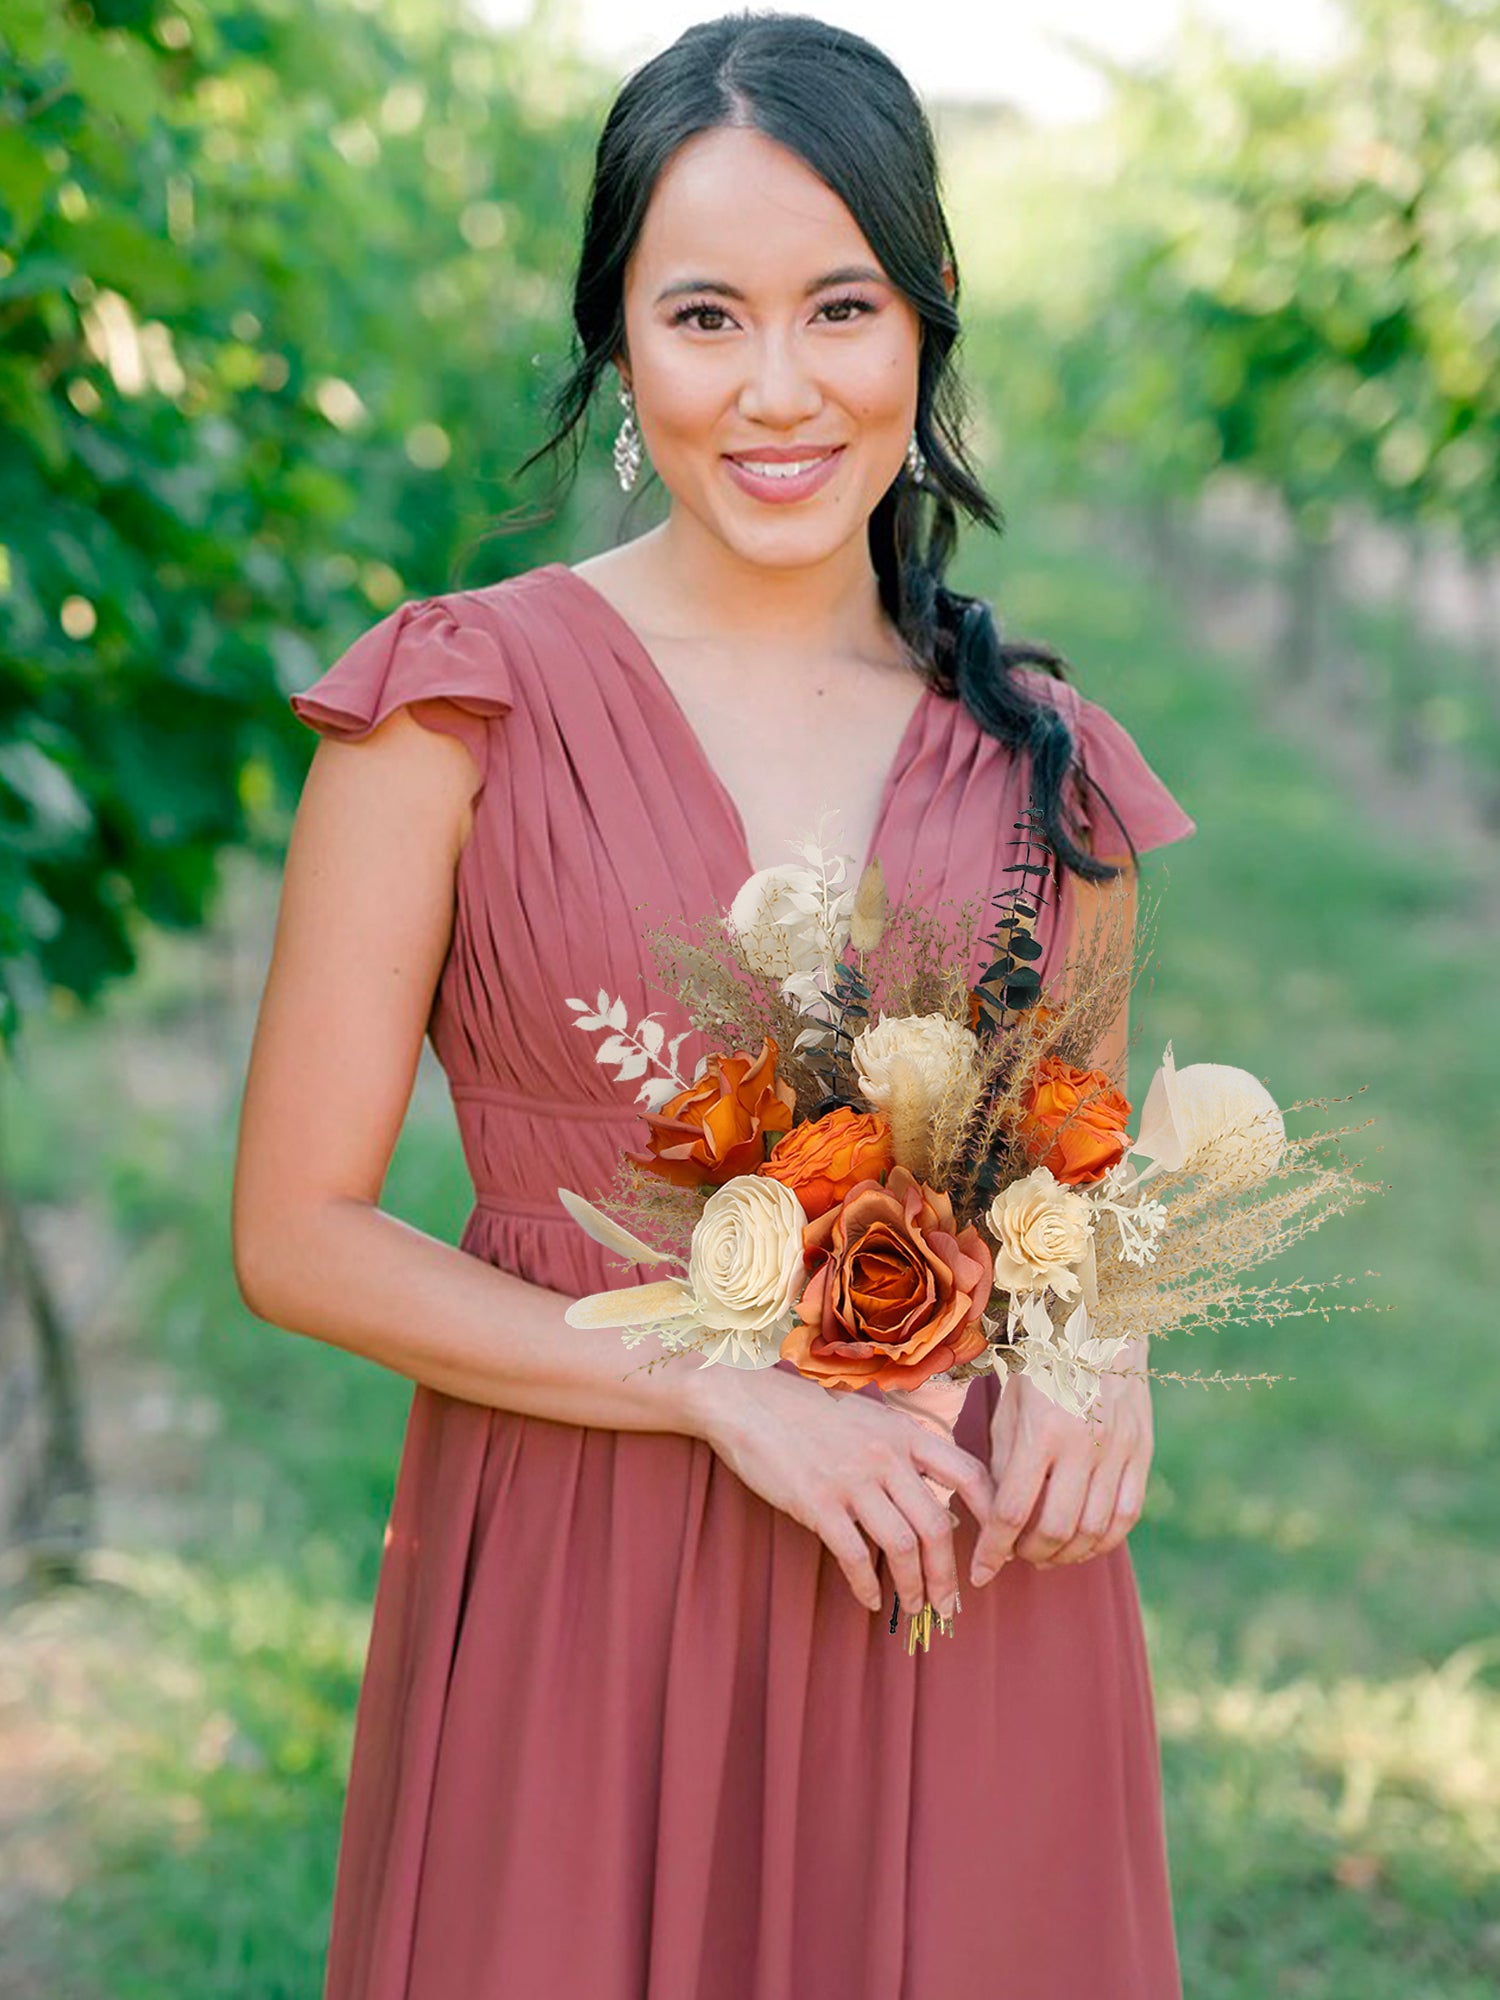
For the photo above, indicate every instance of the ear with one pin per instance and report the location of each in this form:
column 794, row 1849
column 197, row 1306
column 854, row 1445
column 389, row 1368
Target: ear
column 950, row 279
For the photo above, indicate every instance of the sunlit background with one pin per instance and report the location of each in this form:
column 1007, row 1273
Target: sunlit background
column 283, row 289
column 1027, row 53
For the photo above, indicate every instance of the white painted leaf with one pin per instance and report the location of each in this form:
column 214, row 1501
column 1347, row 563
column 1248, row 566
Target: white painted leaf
column 653, row 1034
column 617, row 1016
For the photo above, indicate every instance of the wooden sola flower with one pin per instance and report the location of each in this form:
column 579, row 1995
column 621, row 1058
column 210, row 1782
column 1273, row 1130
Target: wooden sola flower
column 842, row 1233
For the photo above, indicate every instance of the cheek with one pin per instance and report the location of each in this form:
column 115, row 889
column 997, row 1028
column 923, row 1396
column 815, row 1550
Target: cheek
column 686, row 391
column 878, row 383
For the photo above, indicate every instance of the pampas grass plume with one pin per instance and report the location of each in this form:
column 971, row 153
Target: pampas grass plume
column 906, row 1113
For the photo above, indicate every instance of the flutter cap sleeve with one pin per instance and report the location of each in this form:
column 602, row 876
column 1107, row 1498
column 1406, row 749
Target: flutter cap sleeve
column 452, row 675
column 1110, row 756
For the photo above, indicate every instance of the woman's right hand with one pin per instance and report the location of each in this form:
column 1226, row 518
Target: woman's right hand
column 841, row 1462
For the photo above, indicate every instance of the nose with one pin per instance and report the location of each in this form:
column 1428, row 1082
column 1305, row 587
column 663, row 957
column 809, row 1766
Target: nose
column 778, row 390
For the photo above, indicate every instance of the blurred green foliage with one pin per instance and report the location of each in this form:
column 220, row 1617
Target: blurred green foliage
column 1297, row 275
column 280, row 289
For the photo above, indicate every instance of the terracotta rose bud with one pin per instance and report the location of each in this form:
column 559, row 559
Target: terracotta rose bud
column 714, row 1129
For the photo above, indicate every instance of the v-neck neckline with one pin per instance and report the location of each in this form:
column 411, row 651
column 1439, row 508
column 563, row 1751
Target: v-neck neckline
column 641, row 654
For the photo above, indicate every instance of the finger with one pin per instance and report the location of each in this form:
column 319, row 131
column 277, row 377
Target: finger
column 951, row 1466
column 849, row 1549
column 1015, row 1496
column 894, row 1533
column 934, row 1525
column 1097, row 1512
column 1095, row 1516
column 1057, row 1517
column 1127, row 1509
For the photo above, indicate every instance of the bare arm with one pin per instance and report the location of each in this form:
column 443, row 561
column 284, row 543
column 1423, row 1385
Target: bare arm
column 363, row 928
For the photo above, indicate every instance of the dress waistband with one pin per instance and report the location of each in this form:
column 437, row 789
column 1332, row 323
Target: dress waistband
column 520, row 1204
column 542, row 1107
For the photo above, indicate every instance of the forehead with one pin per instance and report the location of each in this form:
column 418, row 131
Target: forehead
column 732, row 202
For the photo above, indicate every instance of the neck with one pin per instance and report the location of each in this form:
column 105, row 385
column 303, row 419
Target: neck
column 803, row 612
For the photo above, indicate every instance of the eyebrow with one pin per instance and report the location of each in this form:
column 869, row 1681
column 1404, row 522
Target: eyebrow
column 847, row 274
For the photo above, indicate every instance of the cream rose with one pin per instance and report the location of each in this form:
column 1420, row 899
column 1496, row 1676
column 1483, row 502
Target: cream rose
column 745, row 1264
column 1042, row 1228
column 941, row 1052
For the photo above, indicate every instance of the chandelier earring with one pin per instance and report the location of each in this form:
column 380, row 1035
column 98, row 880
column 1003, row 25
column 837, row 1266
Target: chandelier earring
column 916, row 465
column 627, row 443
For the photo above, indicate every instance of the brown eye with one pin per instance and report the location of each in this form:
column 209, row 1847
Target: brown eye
column 693, row 312
column 856, row 305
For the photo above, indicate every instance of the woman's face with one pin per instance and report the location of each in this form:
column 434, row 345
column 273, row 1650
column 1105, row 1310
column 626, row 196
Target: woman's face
column 744, row 346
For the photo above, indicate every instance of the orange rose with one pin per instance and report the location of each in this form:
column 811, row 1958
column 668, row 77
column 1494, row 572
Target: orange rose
column 712, row 1130
column 896, row 1295
column 1095, row 1138
column 822, row 1158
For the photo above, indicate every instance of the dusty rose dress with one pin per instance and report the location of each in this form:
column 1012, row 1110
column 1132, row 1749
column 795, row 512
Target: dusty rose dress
column 696, row 1769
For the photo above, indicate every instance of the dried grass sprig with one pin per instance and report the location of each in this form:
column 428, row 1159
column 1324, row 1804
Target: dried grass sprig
column 975, row 1146
column 1216, row 1231
column 726, row 999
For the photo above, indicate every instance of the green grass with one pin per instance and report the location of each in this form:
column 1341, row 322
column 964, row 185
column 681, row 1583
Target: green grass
column 1319, row 1559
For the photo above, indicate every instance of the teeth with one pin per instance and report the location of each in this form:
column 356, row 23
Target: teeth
column 788, row 470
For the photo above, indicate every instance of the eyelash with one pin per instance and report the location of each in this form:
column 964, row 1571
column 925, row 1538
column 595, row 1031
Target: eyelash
column 689, row 311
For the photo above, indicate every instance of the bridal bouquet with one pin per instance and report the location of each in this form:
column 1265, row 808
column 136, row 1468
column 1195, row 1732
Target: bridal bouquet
column 884, row 1175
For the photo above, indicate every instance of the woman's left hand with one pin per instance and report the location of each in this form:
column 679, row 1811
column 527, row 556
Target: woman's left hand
column 1067, row 1488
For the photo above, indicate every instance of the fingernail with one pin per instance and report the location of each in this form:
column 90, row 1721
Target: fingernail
column 980, row 1574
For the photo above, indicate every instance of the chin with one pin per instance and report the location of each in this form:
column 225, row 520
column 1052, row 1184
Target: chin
column 790, row 544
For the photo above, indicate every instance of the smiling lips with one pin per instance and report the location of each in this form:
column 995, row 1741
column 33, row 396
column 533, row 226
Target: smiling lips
column 783, row 472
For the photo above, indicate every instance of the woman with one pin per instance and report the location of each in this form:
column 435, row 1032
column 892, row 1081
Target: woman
column 633, row 1725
